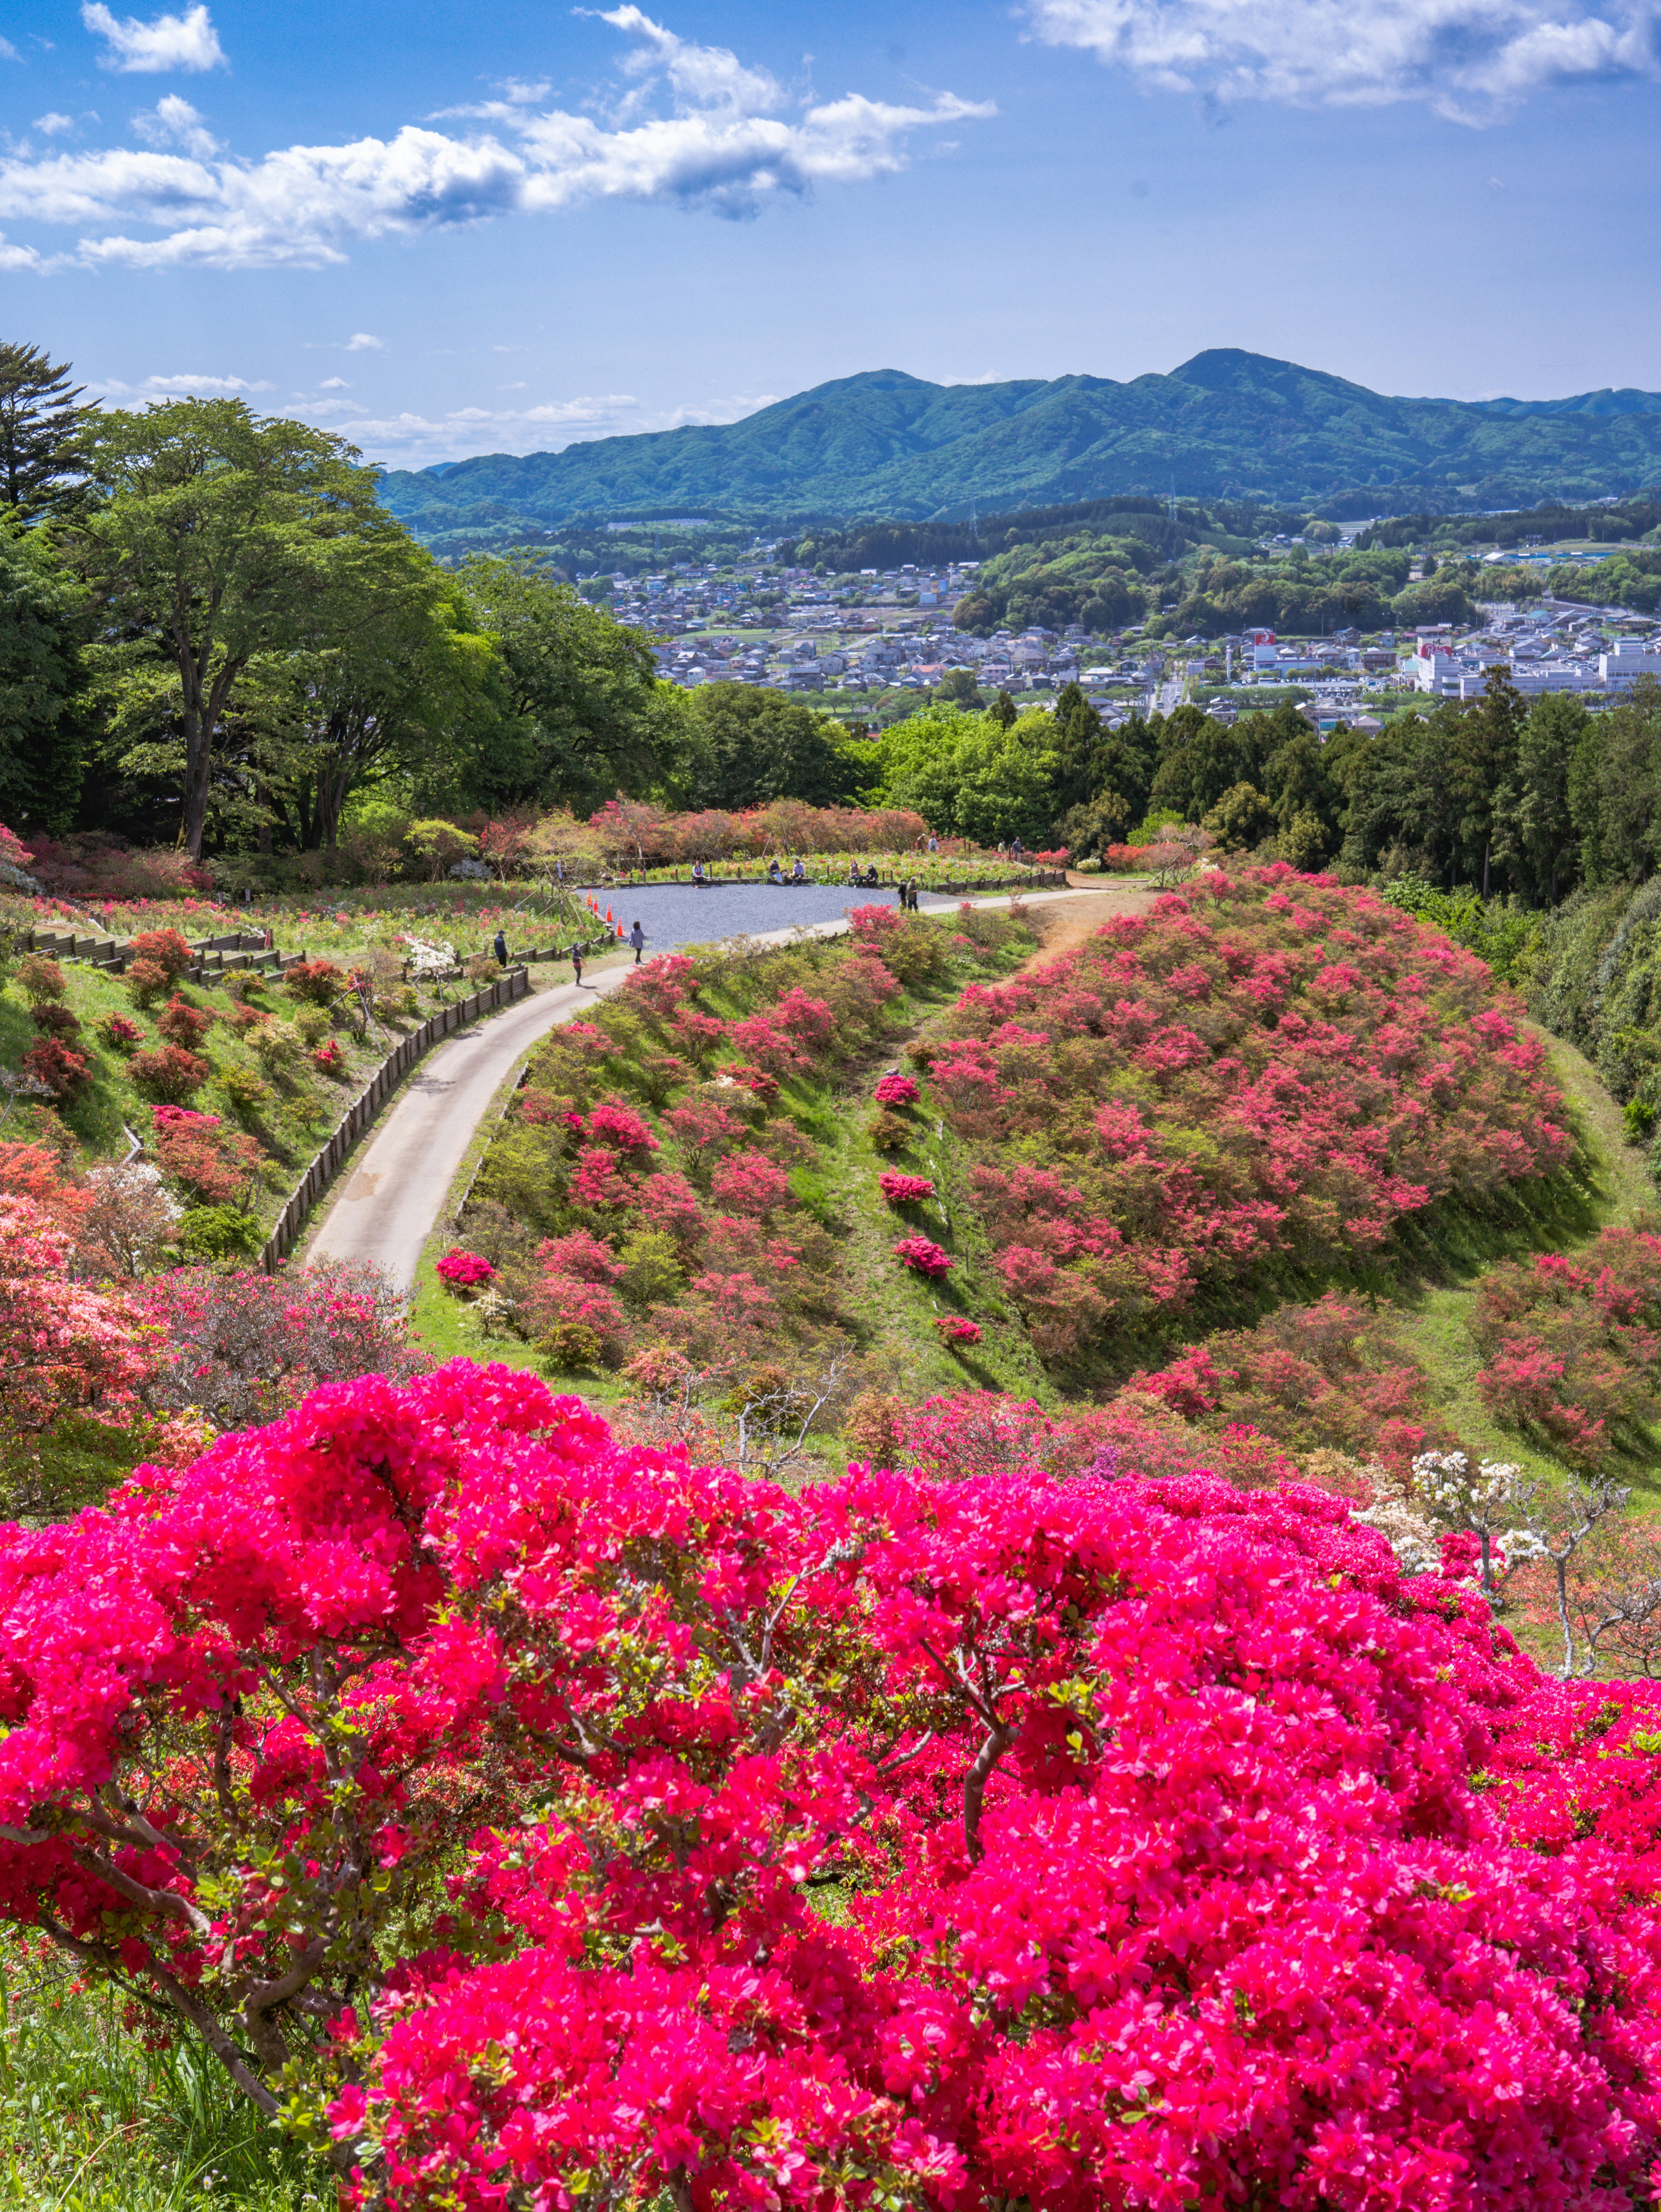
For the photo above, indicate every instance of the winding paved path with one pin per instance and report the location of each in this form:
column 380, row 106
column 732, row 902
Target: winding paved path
column 389, row 1197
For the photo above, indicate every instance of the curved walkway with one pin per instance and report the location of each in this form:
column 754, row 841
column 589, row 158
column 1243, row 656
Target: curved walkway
column 388, row 1200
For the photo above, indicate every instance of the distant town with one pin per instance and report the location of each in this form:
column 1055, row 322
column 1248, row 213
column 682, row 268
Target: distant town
column 868, row 638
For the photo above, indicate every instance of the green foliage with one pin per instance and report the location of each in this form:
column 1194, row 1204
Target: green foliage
column 41, row 431
column 734, row 746
column 216, row 537
column 219, row 1232
column 41, row 633
column 579, row 690
column 968, row 776
column 92, row 2121
column 1504, row 935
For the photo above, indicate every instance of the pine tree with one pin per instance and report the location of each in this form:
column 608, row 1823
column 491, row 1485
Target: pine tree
column 41, row 466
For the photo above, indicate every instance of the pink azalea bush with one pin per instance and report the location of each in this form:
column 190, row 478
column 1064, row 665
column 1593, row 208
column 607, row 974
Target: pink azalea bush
column 475, row 1786
column 463, row 1270
column 1256, row 1069
column 956, row 1329
column 895, row 1091
column 923, row 1256
column 904, row 1189
column 1572, row 1348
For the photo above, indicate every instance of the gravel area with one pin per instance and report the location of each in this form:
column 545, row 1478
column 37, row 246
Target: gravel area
column 677, row 913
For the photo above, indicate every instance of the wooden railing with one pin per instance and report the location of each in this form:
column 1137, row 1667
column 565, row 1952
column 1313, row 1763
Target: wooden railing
column 502, row 991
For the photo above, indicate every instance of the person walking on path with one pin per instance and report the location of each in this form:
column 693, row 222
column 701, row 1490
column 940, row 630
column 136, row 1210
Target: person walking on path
column 637, row 938
column 577, row 962
column 501, row 948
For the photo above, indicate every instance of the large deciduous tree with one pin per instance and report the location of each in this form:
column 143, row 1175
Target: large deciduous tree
column 579, row 684
column 215, row 531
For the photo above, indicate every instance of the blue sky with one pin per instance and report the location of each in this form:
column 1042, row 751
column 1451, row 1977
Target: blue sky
column 445, row 229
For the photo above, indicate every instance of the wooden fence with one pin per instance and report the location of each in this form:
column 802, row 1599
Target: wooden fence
column 515, row 984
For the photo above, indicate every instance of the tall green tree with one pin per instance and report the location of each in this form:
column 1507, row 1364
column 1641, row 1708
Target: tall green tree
column 1615, row 788
column 42, row 614
column 212, row 536
column 1485, row 738
column 398, row 681
column 42, row 435
column 745, row 745
column 1535, row 834
column 581, row 684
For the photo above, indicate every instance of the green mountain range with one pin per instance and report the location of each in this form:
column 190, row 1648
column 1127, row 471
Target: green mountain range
column 1224, row 425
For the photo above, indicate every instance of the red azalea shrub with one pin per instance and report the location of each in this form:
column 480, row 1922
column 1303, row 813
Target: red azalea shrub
column 169, row 1073
column 1186, row 1850
column 120, row 1033
column 1276, row 1065
column 463, row 1270
column 663, row 984
column 1329, row 1376
column 895, row 1091
column 923, row 1256
column 62, row 1070
column 65, row 1348
column 330, row 1060
column 54, row 1018
column 317, row 983
column 749, row 1182
column 904, row 1189
column 164, row 949
column 238, row 1346
column 182, row 1023
column 1573, row 1347
column 956, row 1329
column 213, row 1163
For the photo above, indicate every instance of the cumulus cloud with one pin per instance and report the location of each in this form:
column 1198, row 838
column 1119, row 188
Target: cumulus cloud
column 174, row 122
column 1470, row 60
column 364, row 342
column 24, row 260
column 722, row 144
column 185, row 387
column 53, row 126
column 171, row 42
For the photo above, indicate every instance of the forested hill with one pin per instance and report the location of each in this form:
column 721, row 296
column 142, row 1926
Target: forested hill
column 1223, row 423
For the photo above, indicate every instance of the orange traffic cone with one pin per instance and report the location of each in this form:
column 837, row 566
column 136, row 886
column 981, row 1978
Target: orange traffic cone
column 608, row 917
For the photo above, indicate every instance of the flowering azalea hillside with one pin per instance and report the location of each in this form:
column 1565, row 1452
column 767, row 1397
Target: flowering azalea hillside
column 656, row 1168
column 562, row 1821
column 1269, row 1067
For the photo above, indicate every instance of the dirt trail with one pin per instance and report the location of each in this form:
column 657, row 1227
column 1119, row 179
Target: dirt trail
column 1067, row 922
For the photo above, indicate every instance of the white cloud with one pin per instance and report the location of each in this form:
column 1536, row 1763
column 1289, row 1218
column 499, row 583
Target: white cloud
column 9, row 52
column 1470, row 60
column 24, row 261
column 185, row 387
column 363, row 342
column 174, row 122
column 719, row 147
column 53, row 125
column 412, row 440
column 171, row 42
column 334, row 384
